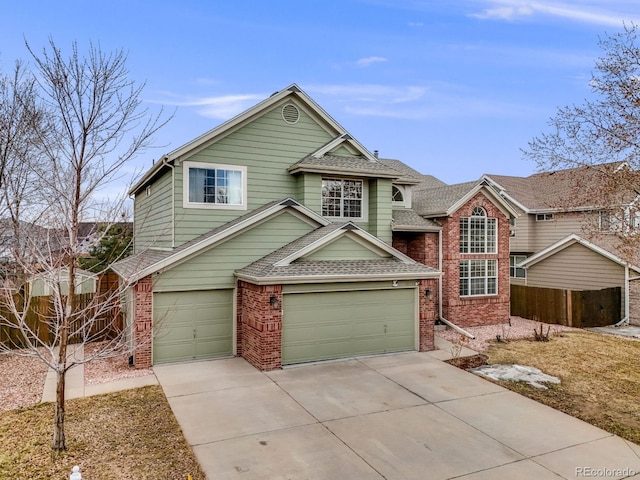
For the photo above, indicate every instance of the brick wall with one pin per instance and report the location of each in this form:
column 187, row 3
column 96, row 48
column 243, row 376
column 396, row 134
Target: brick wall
column 422, row 247
column 474, row 311
column 428, row 312
column 143, row 326
column 260, row 325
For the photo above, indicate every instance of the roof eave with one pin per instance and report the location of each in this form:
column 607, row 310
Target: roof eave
column 296, row 169
column 288, row 280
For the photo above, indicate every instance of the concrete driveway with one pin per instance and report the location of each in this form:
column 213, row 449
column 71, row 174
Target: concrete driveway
column 404, row 416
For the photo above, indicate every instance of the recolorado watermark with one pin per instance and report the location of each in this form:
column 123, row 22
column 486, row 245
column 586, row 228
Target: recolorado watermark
column 592, row 472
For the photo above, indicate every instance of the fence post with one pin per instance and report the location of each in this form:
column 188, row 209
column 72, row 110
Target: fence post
column 569, row 297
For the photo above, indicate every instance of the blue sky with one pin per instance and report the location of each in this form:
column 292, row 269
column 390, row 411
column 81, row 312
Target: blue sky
column 453, row 88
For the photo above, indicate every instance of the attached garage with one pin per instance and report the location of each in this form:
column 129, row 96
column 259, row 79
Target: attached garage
column 328, row 324
column 192, row 325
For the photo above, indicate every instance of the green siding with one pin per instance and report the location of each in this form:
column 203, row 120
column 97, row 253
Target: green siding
column 321, row 326
column 267, row 147
column 192, row 325
column 345, row 287
column 310, row 191
column 344, row 248
column 380, row 209
column 152, row 222
column 214, row 268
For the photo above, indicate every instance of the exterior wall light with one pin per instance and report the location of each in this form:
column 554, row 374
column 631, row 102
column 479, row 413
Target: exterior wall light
column 427, row 293
column 275, row 304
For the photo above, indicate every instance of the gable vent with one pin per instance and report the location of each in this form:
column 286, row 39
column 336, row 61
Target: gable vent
column 290, row 113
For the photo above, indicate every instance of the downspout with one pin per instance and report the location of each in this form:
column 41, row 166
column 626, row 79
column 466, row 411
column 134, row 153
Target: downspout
column 440, row 317
column 627, row 279
column 173, row 201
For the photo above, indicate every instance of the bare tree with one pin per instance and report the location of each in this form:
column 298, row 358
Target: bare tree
column 92, row 123
column 600, row 139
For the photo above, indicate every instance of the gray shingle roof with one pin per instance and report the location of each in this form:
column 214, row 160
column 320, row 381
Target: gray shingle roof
column 338, row 164
column 265, row 267
column 408, row 219
column 573, row 188
column 411, row 175
column 129, row 266
column 436, row 201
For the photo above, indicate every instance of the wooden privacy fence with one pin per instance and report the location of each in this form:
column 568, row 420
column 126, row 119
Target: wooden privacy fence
column 105, row 326
column 586, row 308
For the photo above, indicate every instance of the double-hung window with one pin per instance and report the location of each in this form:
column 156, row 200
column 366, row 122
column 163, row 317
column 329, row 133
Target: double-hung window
column 514, row 270
column 215, row 186
column 342, row 198
column 478, row 277
column 478, row 233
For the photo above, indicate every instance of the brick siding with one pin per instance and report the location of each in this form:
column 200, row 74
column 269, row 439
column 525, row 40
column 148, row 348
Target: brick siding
column 143, row 326
column 423, row 247
column 260, row 325
column 428, row 312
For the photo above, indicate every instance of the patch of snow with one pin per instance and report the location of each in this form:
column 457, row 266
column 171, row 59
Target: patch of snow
column 516, row 373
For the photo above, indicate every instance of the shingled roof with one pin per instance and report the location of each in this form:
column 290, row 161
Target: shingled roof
column 407, row 219
column 570, row 189
column 343, row 164
column 437, row 201
column 271, row 268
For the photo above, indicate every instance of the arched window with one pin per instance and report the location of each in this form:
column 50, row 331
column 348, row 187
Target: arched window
column 478, row 212
column 478, row 233
column 397, row 195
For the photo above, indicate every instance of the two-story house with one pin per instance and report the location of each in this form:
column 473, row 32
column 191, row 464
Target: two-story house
column 272, row 237
column 565, row 238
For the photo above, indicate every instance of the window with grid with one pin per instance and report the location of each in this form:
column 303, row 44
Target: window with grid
column 478, row 277
column 214, row 185
column 478, row 234
column 514, row 270
column 342, row 198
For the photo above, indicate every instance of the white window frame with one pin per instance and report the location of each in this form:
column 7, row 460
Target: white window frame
column 472, row 265
column 544, row 217
column 514, row 269
column 405, row 191
column 364, row 200
column 471, row 228
column 211, row 166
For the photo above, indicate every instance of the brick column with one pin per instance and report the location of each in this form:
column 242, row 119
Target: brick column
column 428, row 312
column 260, row 325
column 143, row 326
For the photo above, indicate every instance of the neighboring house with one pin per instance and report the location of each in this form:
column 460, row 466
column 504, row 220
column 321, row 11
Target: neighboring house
column 271, row 237
column 563, row 239
column 45, row 284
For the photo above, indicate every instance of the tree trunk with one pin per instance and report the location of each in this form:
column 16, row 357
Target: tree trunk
column 59, row 441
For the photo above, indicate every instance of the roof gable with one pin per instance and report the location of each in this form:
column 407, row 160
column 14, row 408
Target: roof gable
column 568, row 241
column 150, row 261
column 444, row 201
column 292, row 93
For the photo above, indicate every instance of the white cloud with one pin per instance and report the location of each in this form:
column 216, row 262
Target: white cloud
column 415, row 102
column 365, row 62
column 223, row 107
column 600, row 12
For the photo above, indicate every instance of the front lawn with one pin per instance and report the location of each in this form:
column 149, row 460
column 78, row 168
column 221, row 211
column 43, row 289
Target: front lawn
column 125, row 435
column 600, row 377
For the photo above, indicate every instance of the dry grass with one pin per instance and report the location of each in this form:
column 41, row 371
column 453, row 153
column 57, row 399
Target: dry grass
column 124, row 435
column 600, row 377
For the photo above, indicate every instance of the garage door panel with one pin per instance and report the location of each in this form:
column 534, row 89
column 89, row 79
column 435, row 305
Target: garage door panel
column 318, row 326
column 193, row 325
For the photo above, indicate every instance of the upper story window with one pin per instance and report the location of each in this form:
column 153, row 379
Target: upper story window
column 342, row 198
column 544, row 217
column 478, row 233
column 208, row 185
column 514, row 270
column 396, row 195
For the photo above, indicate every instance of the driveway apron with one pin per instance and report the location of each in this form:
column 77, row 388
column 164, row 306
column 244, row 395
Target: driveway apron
column 403, row 416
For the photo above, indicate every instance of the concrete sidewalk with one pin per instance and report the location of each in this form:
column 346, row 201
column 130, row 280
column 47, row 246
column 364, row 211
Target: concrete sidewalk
column 75, row 386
